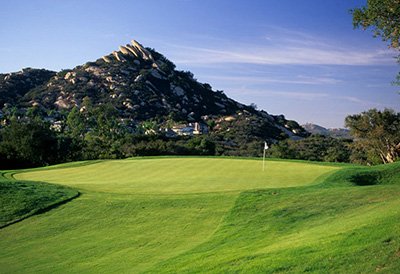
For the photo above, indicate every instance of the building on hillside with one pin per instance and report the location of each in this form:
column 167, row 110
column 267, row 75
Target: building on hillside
column 169, row 133
column 199, row 128
column 183, row 130
column 187, row 129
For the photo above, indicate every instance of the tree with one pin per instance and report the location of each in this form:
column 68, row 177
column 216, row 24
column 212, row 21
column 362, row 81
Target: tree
column 76, row 124
column 105, row 134
column 313, row 148
column 27, row 143
column 384, row 17
column 377, row 133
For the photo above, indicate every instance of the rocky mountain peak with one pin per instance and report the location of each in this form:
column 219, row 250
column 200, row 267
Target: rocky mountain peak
column 130, row 52
column 141, row 84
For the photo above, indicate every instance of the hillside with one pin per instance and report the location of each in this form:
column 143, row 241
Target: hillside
column 214, row 215
column 141, row 85
column 332, row 132
column 14, row 86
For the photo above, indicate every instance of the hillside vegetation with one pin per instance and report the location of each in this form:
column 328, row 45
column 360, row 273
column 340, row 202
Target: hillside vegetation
column 211, row 215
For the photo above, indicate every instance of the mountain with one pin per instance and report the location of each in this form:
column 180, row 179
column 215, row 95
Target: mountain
column 142, row 85
column 332, row 132
column 13, row 86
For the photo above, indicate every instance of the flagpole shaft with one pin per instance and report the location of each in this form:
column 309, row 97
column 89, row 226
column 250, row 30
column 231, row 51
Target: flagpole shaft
column 264, row 160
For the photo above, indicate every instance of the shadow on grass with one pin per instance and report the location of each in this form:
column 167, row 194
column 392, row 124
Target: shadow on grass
column 41, row 210
column 388, row 174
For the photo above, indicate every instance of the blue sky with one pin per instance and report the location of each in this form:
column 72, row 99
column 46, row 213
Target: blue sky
column 298, row 58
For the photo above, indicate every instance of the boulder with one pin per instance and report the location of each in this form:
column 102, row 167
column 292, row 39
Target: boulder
column 145, row 53
column 124, row 50
column 69, row 75
column 137, row 45
column 139, row 78
column 117, row 56
column 156, row 74
column 178, row 91
column 133, row 50
column 219, row 105
column 106, row 59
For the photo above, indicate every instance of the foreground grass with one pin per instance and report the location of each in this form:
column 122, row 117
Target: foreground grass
column 19, row 199
column 111, row 233
column 346, row 230
column 217, row 215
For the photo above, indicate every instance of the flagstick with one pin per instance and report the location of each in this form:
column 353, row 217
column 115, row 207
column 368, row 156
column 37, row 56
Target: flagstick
column 265, row 150
column 264, row 160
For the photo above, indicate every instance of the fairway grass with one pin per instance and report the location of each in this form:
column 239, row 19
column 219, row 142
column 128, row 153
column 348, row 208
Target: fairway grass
column 315, row 230
column 19, row 199
column 111, row 233
column 211, row 215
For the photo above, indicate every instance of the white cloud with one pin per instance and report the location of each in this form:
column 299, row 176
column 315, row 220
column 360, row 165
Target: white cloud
column 304, row 96
column 285, row 55
column 275, row 93
column 278, row 47
column 300, row 79
column 358, row 101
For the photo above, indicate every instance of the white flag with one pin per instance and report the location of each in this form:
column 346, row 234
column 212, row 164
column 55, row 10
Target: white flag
column 266, row 146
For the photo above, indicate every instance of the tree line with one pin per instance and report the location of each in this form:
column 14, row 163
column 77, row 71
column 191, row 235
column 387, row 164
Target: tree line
column 97, row 133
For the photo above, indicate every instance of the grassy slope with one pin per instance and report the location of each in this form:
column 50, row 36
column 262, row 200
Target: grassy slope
column 19, row 199
column 315, row 229
column 255, row 226
column 335, row 231
column 111, row 233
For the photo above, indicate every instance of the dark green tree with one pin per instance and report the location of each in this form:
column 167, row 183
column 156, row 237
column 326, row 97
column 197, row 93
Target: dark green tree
column 28, row 143
column 313, row 148
column 383, row 16
column 76, row 124
column 105, row 133
column 377, row 134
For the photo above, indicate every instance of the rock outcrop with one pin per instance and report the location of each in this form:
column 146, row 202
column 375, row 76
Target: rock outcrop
column 117, row 56
column 124, row 50
column 106, row 59
column 134, row 52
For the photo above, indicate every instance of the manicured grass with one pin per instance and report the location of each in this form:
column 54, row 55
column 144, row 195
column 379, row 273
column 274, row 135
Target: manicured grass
column 344, row 230
column 111, row 233
column 181, row 175
column 364, row 176
column 19, row 199
column 212, row 215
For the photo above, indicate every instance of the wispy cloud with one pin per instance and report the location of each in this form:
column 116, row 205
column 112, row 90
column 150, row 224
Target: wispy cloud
column 358, row 101
column 286, row 55
column 279, row 47
column 275, row 93
column 300, row 79
column 304, row 96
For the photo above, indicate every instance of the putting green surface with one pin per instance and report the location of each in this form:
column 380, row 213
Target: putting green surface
column 210, row 215
column 181, row 175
